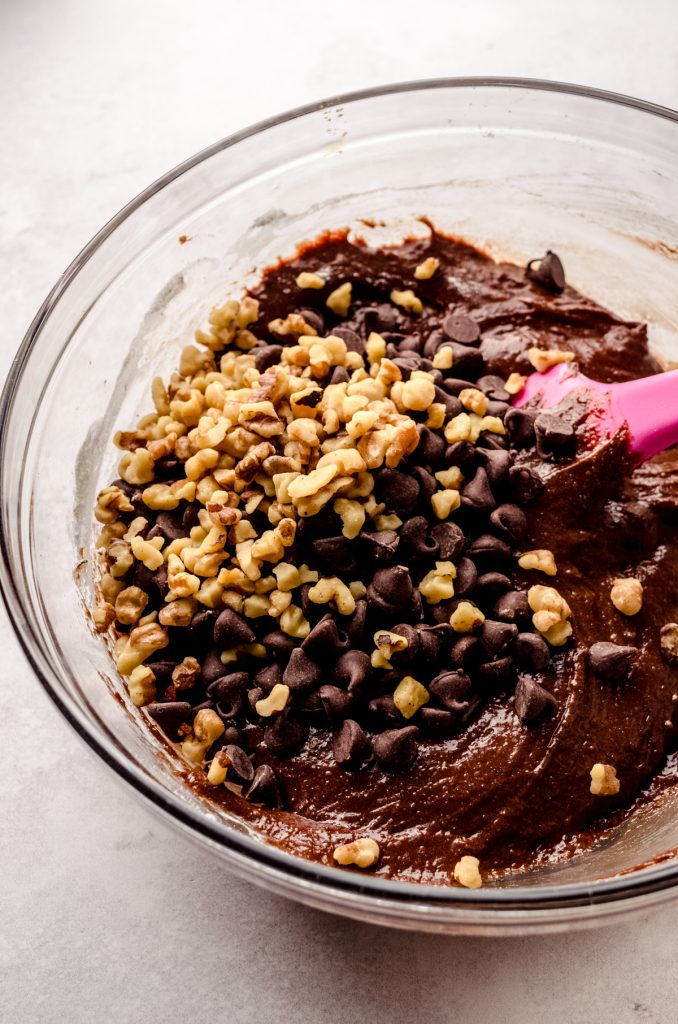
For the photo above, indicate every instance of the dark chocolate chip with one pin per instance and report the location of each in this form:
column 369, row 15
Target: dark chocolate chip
column 350, row 745
column 414, row 533
column 434, row 642
column 493, row 387
column 301, row 673
column 266, row 356
column 315, row 319
column 340, row 375
column 462, row 454
column 384, row 713
column 452, row 405
column 398, row 491
column 353, row 341
column 531, row 652
column 510, row 521
column 547, row 272
column 383, row 316
column 279, row 645
column 532, row 700
column 336, row 702
column 230, row 629
column 462, row 328
column 202, row 627
column 380, row 547
column 520, row 426
column 555, row 436
column 466, row 653
column 513, row 607
column 268, row 677
column 254, row 695
column 170, row 715
column 285, row 735
column 264, row 788
column 450, row 540
column 326, row 641
column 428, row 484
column 411, row 634
column 466, row 578
column 396, row 749
column 439, row 721
column 356, row 624
column 191, row 516
column 163, row 669
column 450, row 688
column 240, row 765
column 336, row 554
column 526, row 485
column 497, row 636
column 431, row 447
column 611, row 661
column 212, row 667
column 352, row 670
column 477, row 493
column 390, row 589
column 490, row 585
column 498, row 673
column 468, row 361
column 167, row 526
column 488, row 550
column 152, row 582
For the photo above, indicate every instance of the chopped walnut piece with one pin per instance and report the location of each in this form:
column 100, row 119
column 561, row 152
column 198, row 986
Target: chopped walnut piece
column 275, row 702
column 409, row 696
column 604, row 781
column 541, row 560
column 306, row 279
column 515, row 383
column 467, row 873
column 627, row 595
column 340, row 299
column 425, row 270
column 466, row 618
column 544, row 359
column 407, row 300
column 364, row 853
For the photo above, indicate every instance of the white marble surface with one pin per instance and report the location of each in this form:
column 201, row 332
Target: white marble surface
column 98, row 97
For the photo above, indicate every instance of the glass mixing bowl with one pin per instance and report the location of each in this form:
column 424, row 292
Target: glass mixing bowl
column 513, row 166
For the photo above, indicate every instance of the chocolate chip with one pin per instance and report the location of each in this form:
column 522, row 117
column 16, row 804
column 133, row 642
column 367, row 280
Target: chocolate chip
column 450, row 689
column 434, row 641
column 212, row 667
column 254, row 695
column 240, row 764
column 230, row 629
column 336, row 554
column 488, row 549
column 498, row 409
column 352, row 669
column 461, row 453
column 431, row 447
column 340, row 375
column 555, row 436
column 202, row 627
column 498, row 673
column 390, row 589
column 227, row 685
column 466, row 653
column 532, row 700
column 191, row 516
column 170, row 716
column 531, row 652
column 326, row 641
column 316, row 320
column 526, row 485
column 462, row 328
column 153, row 582
column 383, row 316
column 414, row 533
column 490, row 585
column 547, row 272
column 452, row 405
column 520, row 426
column 492, row 442
column 510, row 521
column 466, row 578
column 398, row 491
column 350, row 745
column 428, row 484
column 477, row 493
column 337, row 703
column 383, row 712
column 269, row 676
column 353, row 341
column 285, row 735
column 497, row 636
column 396, row 749
column 167, row 526
column 266, row 356
column 468, row 362
column 450, row 540
column 513, row 607
column 380, row 547
column 493, row 387
column 438, row 721
column 357, row 622
column 611, row 661
column 301, row 673
column 410, row 633
column 264, row 788
column 279, row 645
column 163, row 669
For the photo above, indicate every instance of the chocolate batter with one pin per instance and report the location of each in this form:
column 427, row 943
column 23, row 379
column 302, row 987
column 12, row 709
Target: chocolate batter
column 507, row 791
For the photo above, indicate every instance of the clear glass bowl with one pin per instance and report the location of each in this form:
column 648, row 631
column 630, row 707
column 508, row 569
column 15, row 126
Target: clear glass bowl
column 514, row 166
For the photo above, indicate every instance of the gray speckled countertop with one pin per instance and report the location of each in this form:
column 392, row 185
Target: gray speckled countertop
column 104, row 913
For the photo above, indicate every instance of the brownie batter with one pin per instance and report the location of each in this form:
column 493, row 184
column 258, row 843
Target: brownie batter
column 505, row 789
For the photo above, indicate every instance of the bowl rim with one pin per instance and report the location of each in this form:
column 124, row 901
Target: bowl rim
column 316, row 881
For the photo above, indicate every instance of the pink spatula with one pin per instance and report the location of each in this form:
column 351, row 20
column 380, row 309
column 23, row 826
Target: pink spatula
column 648, row 406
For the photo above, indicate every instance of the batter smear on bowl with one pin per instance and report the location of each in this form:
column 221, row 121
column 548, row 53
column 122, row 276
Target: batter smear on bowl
column 386, row 617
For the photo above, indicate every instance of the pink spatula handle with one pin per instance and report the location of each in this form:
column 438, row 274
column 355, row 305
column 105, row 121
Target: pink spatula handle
column 650, row 407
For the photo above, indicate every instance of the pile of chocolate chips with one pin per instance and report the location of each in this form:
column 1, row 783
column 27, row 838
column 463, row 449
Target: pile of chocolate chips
column 332, row 683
